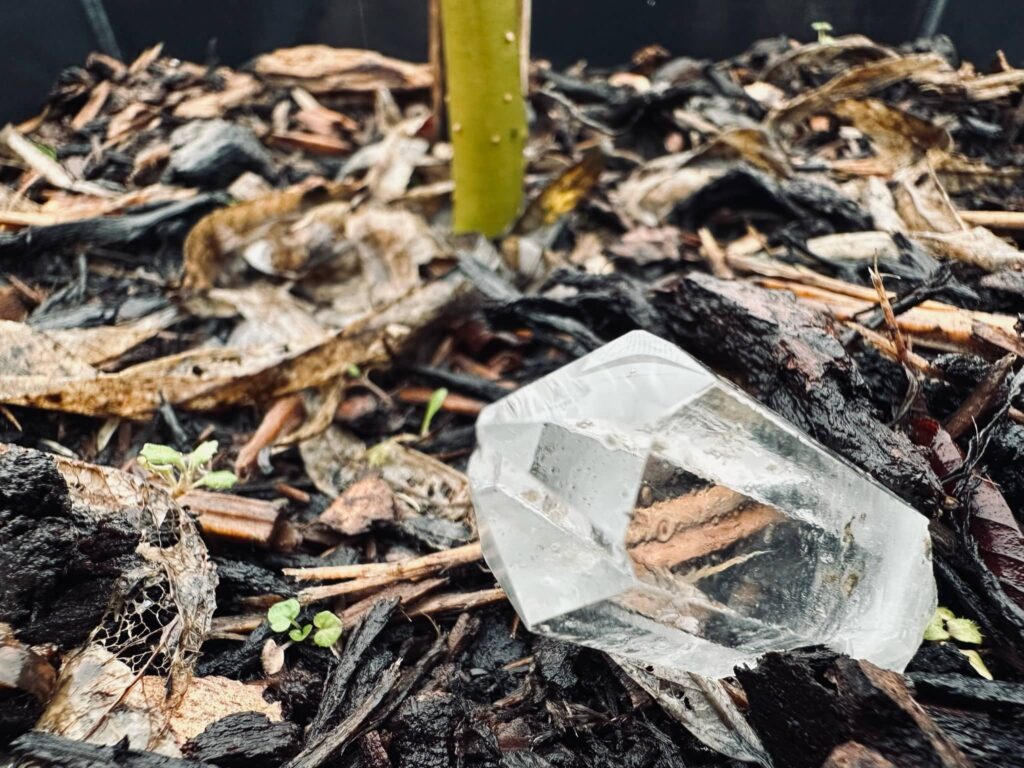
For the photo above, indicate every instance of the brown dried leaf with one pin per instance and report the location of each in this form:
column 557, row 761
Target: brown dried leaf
column 362, row 503
column 207, row 700
column 23, row 669
column 855, row 83
column 562, row 194
column 899, row 138
column 106, row 343
column 313, row 143
column 203, row 379
column 157, row 619
column 239, row 88
column 322, row 69
column 213, row 237
column 825, row 59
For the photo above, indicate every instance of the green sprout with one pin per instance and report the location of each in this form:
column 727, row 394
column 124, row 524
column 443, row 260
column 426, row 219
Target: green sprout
column 282, row 617
column 185, row 471
column 823, row 28
column 328, row 629
column 433, row 406
column 945, row 625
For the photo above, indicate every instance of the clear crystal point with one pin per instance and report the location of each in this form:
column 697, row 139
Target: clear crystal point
column 634, row 502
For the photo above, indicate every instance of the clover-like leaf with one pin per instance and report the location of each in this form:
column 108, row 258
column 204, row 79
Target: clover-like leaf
column 221, row 480
column 326, row 620
column 161, row 455
column 964, row 630
column 328, row 629
column 203, row 454
column 281, row 615
column 298, row 635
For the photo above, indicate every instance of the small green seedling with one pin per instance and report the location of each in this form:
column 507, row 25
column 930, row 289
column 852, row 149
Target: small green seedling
column 185, row 471
column 328, row 629
column 946, row 626
column 433, row 406
column 824, row 29
column 282, row 618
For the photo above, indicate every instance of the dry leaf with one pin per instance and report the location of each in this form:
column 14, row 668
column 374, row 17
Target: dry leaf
column 104, row 344
column 205, row 379
column 239, row 88
column 216, row 234
column 362, row 503
column 855, row 83
column 562, row 194
column 321, row 69
column 977, row 246
column 899, row 138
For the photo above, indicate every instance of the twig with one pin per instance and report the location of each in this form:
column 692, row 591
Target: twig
column 458, row 601
column 1009, row 221
column 453, row 403
column 436, row 49
column 525, row 27
column 714, row 254
column 47, row 167
column 406, row 592
column 413, row 568
column 981, row 400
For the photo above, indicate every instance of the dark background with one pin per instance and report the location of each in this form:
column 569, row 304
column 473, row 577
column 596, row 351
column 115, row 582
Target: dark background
column 40, row 37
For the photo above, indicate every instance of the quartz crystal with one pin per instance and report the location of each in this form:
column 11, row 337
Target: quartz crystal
column 635, row 502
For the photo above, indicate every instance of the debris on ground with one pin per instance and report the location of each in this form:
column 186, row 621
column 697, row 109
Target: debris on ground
column 263, row 258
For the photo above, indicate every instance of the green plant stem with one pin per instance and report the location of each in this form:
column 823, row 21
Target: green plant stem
column 486, row 111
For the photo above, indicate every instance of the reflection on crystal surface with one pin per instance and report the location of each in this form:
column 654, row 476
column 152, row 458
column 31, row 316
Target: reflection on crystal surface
column 635, row 503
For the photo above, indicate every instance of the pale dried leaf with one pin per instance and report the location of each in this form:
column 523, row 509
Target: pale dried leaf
column 239, row 88
column 977, row 246
column 106, row 343
column 322, row 69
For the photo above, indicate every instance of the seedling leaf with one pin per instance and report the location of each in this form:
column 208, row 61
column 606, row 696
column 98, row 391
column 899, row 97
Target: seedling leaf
column 325, row 638
column 298, row 635
column 220, row 480
column 161, row 455
column 964, row 630
column 328, row 629
column 436, row 401
column 936, row 629
column 203, row 454
column 326, row 620
column 823, row 28
column 281, row 615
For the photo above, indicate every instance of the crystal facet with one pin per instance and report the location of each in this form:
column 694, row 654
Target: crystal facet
column 635, row 502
